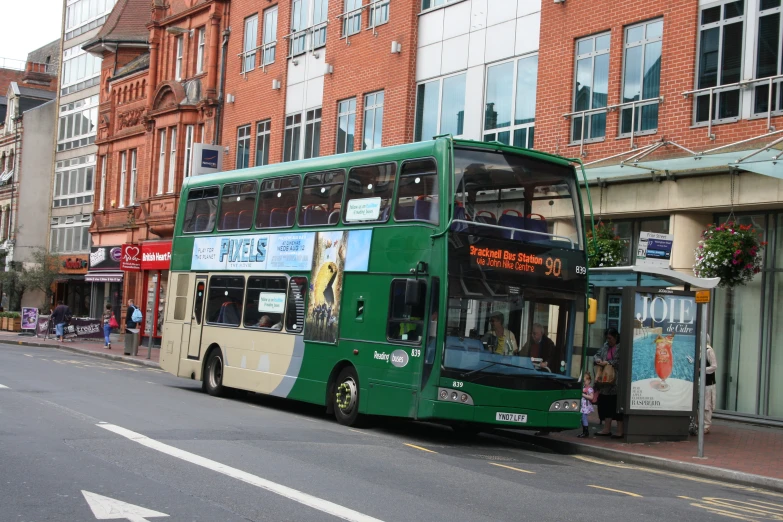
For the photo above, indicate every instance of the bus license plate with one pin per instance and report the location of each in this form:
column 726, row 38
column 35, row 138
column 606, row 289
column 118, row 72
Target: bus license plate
column 511, row 417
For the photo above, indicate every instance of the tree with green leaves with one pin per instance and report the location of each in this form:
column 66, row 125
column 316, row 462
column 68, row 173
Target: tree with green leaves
column 41, row 274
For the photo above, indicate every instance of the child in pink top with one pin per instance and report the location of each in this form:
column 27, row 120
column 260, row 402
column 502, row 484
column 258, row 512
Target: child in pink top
column 587, row 404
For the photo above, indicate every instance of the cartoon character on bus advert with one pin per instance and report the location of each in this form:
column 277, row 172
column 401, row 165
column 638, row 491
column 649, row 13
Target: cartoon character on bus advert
column 326, row 286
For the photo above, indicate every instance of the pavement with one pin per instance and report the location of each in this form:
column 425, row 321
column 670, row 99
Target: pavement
column 739, row 453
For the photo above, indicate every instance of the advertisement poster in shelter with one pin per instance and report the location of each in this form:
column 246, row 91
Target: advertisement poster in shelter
column 326, row 286
column 29, row 318
column 663, row 352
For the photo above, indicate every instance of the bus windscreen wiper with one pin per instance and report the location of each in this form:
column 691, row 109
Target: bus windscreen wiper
column 491, row 363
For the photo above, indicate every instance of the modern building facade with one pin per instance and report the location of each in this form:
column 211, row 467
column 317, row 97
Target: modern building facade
column 75, row 161
column 676, row 109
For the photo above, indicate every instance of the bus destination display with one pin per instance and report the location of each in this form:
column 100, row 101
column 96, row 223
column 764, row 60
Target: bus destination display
column 504, row 259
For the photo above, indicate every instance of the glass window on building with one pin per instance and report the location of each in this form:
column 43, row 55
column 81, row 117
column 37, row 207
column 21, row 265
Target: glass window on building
column 440, row 108
column 263, row 135
column 352, row 19
column 591, row 87
column 373, row 120
column 719, row 59
column 510, row 107
column 292, row 137
column 642, row 77
column 346, row 125
column 243, row 147
column 769, row 62
column 312, row 133
column 249, row 43
column 629, row 229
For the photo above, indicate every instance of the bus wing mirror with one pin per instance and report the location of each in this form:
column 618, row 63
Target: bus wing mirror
column 412, row 296
column 592, row 310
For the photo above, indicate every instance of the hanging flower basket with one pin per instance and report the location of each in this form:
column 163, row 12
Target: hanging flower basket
column 731, row 252
column 605, row 248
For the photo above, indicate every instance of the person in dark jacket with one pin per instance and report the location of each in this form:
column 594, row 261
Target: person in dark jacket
column 60, row 317
column 129, row 322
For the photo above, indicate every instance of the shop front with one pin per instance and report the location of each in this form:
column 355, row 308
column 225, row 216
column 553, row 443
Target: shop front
column 106, row 279
column 155, row 263
column 71, row 287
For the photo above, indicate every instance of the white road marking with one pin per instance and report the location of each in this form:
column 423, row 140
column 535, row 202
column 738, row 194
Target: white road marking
column 106, row 508
column 6, row 387
column 254, row 480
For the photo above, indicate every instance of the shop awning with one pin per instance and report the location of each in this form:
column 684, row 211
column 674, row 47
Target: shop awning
column 623, row 276
column 104, row 277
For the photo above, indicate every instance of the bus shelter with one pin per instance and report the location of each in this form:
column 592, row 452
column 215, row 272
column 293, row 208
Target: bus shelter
column 659, row 321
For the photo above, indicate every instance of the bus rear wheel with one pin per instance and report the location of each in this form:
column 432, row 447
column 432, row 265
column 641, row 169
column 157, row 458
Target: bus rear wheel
column 213, row 374
column 346, row 397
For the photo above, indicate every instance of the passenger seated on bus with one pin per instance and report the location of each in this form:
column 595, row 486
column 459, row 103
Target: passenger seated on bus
column 266, row 322
column 229, row 313
column 539, row 346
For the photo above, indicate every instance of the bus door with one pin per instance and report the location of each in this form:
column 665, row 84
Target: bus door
column 194, row 344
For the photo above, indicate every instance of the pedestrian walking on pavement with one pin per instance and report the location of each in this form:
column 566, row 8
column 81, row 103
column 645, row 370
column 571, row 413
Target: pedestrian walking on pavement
column 60, row 317
column 710, row 393
column 107, row 318
column 587, row 404
column 4, row 302
column 129, row 322
column 609, row 355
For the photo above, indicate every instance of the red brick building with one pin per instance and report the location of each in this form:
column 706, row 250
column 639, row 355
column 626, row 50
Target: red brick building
column 292, row 79
column 158, row 97
column 669, row 105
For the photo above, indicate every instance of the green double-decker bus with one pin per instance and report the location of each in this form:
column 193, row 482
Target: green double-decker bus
column 443, row 280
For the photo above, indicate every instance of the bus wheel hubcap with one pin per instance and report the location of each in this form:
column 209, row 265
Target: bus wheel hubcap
column 346, row 396
column 215, row 376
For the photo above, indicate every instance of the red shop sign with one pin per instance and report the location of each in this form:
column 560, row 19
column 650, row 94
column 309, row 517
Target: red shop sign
column 156, row 255
column 130, row 260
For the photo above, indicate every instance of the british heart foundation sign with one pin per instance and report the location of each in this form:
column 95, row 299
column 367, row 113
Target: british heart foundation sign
column 130, row 261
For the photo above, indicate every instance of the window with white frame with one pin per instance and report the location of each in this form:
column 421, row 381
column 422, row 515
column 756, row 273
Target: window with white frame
column 172, row 160
column 77, row 124
column 299, row 18
column 440, row 107
column 320, row 10
column 510, row 106
column 243, row 147
column 769, row 59
column 312, row 142
column 132, row 185
column 308, row 22
column 292, row 137
column 270, row 35
column 249, row 43
column 70, row 234
column 373, row 120
column 721, row 28
column 123, row 178
column 80, row 70
column 429, row 4
column 379, row 13
column 73, row 181
column 263, row 134
column 85, row 15
column 352, row 17
column 102, row 203
column 641, row 77
column 591, row 88
column 346, row 125
column 201, row 49
column 179, row 46
column 189, row 132
column 161, row 160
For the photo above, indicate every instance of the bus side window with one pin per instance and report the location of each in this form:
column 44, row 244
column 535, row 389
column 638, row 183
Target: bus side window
column 406, row 322
column 201, row 210
column 277, row 202
column 322, row 195
column 224, row 300
column 417, row 194
column 265, row 302
column 294, row 317
column 237, row 205
column 369, row 193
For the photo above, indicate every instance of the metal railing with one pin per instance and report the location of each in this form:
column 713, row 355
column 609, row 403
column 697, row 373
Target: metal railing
column 307, row 39
column 611, row 108
column 349, row 16
column 11, row 63
column 742, row 87
column 266, row 56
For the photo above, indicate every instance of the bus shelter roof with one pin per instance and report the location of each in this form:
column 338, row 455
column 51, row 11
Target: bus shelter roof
column 624, row 276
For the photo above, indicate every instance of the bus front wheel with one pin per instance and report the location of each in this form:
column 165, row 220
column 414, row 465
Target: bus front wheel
column 346, row 397
column 213, row 374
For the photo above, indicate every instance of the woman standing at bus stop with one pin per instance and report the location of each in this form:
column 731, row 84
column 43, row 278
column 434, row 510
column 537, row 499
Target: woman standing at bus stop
column 607, row 391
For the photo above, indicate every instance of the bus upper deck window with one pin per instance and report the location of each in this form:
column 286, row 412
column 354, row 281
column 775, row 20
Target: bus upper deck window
column 417, row 195
column 237, row 205
column 201, row 210
column 322, row 197
column 369, row 193
column 277, row 202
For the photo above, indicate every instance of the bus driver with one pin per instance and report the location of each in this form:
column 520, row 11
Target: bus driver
column 499, row 339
